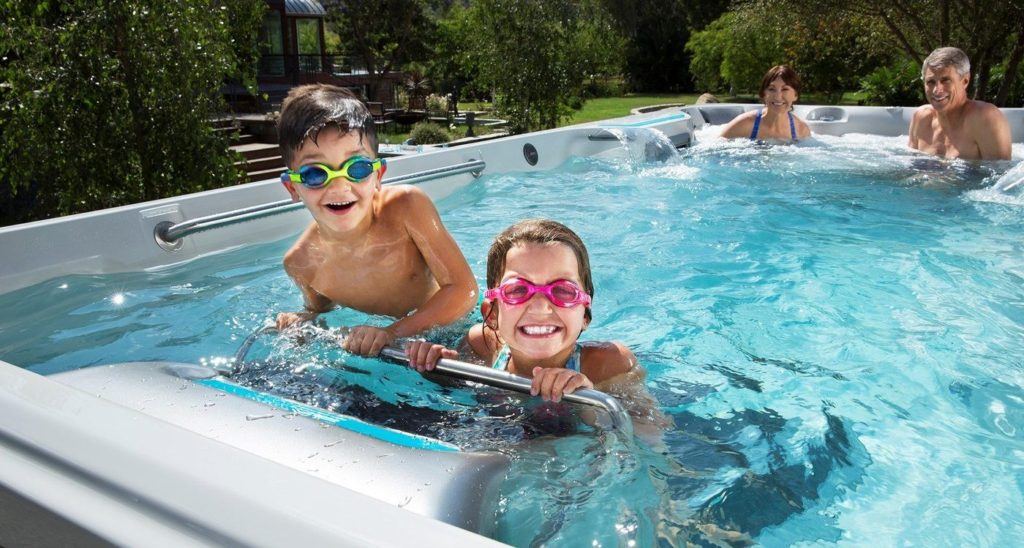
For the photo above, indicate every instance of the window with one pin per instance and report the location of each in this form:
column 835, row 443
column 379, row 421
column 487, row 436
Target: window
column 310, row 47
column 272, row 45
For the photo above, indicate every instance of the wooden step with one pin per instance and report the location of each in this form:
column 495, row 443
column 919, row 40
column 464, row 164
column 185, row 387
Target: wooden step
column 260, row 164
column 255, row 151
column 243, row 139
column 226, row 130
column 264, row 174
column 225, row 122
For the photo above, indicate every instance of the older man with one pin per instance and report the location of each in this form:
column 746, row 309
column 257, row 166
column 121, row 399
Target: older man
column 951, row 125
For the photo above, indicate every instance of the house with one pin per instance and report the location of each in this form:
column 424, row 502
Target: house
column 293, row 52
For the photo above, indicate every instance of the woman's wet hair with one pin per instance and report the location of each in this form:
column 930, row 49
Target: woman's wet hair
column 788, row 75
column 308, row 109
column 538, row 231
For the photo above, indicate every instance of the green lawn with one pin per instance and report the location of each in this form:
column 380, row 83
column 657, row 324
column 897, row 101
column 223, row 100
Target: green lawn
column 394, row 135
column 614, row 107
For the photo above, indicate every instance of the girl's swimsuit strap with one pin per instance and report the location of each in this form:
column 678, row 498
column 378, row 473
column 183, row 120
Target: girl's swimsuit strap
column 792, row 126
column 501, row 360
column 504, row 355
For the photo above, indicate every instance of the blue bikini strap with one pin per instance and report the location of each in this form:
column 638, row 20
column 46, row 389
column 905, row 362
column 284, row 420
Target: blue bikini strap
column 504, row 355
column 501, row 360
column 792, row 126
column 757, row 124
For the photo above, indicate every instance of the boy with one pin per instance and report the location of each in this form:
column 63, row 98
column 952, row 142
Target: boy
column 380, row 250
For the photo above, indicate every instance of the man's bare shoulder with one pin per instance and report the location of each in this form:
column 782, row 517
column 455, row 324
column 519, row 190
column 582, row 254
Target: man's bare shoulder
column 985, row 112
column 924, row 112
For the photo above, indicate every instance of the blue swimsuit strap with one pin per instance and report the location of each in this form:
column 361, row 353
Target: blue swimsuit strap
column 757, row 124
column 504, row 355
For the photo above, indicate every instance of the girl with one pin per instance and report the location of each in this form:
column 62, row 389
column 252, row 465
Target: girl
column 780, row 89
column 537, row 304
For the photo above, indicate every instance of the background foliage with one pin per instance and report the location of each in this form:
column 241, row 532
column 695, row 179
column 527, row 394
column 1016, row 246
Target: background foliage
column 109, row 103
column 105, row 104
column 655, row 34
column 383, row 34
column 536, row 55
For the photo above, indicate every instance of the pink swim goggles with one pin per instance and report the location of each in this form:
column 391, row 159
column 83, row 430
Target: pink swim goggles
column 561, row 293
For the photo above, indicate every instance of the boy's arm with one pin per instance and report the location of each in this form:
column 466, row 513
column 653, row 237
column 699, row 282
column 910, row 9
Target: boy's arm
column 314, row 302
column 458, row 290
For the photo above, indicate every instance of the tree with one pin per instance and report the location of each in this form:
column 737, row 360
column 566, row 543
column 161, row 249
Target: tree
column 453, row 67
column 656, row 33
column 108, row 104
column 536, row 55
column 989, row 31
column 831, row 56
column 383, row 34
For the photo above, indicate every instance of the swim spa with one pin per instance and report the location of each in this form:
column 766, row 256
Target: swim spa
column 834, row 329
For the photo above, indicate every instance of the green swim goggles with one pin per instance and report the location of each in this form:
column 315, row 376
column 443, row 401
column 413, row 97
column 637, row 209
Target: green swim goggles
column 356, row 169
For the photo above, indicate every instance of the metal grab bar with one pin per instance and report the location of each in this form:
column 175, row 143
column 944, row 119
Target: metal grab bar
column 167, row 234
column 466, row 371
column 476, row 167
column 503, row 379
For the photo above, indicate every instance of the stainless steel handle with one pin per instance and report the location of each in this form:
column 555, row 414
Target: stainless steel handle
column 503, row 379
column 620, row 419
column 167, row 233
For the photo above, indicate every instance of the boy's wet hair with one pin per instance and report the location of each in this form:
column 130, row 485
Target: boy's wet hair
column 788, row 75
column 538, row 231
column 309, row 109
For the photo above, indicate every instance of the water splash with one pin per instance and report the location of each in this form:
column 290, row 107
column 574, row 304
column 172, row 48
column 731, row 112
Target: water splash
column 644, row 145
column 1011, row 180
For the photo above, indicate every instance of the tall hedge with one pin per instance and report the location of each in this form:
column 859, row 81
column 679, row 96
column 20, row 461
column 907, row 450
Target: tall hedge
column 109, row 103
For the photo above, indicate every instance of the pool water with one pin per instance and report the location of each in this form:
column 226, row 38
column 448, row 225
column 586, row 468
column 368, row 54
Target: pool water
column 836, row 331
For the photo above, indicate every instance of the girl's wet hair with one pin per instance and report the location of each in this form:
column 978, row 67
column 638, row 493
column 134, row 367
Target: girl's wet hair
column 788, row 75
column 309, row 109
column 538, row 231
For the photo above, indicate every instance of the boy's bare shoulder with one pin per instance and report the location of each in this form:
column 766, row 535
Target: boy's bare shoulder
column 404, row 198
column 298, row 260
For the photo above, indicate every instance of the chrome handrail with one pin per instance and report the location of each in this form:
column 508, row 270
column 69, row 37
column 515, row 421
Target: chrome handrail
column 620, row 419
column 475, row 166
column 503, row 379
column 167, row 234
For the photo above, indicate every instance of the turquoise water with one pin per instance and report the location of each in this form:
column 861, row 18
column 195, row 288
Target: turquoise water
column 836, row 332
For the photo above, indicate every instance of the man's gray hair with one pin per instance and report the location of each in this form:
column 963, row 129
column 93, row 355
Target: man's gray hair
column 947, row 57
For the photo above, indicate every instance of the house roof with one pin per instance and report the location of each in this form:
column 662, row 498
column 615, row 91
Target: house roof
column 304, row 7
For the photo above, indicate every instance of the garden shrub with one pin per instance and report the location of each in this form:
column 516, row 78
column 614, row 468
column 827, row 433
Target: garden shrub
column 426, row 133
column 897, row 84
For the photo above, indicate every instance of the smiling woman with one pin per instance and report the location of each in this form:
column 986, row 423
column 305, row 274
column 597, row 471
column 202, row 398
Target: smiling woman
column 780, row 88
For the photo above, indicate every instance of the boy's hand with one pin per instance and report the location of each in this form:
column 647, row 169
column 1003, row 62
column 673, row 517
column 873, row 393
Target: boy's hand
column 551, row 383
column 366, row 340
column 423, row 355
column 288, row 319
